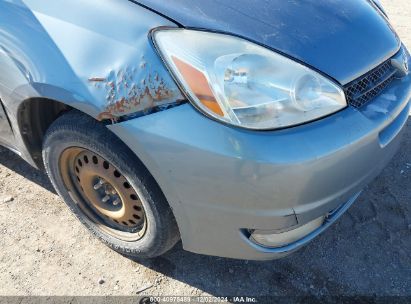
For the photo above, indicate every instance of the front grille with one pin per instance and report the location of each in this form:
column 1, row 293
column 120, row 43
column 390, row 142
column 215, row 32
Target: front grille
column 368, row 86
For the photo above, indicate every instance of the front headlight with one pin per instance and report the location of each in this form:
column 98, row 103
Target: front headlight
column 244, row 84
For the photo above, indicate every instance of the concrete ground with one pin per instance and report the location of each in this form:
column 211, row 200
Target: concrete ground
column 45, row 251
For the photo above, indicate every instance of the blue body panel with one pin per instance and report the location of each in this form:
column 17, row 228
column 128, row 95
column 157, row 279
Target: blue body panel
column 96, row 56
column 220, row 179
column 93, row 56
column 342, row 38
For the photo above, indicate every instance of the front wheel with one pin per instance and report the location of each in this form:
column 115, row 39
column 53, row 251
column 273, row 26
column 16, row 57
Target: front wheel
column 107, row 187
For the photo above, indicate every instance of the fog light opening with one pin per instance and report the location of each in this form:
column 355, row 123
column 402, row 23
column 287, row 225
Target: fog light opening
column 273, row 239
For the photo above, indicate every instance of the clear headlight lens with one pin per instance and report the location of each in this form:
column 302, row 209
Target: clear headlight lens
column 244, row 84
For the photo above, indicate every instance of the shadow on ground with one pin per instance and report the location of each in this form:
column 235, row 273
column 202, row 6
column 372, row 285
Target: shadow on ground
column 19, row 166
column 367, row 252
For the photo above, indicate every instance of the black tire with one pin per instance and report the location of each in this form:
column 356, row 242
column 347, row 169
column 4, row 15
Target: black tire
column 75, row 129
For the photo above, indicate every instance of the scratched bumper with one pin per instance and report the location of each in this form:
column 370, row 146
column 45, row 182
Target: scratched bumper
column 221, row 180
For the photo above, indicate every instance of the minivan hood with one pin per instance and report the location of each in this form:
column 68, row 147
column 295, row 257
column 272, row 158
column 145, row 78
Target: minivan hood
column 341, row 38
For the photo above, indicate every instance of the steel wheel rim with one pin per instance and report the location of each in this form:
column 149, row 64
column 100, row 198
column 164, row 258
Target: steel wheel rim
column 103, row 194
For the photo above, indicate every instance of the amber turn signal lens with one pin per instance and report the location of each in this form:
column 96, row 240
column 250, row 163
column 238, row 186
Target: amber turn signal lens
column 199, row 85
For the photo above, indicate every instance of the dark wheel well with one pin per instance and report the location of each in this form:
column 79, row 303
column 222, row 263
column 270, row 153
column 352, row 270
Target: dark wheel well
column 34, row 118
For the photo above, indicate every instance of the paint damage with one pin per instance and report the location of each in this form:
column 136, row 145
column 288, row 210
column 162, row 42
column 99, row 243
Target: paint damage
column 135, row 91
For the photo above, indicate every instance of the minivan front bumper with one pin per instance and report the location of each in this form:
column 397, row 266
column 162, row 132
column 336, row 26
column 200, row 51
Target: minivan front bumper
column 223, row 182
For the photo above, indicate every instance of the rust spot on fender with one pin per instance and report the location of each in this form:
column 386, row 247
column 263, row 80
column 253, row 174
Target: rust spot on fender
column 106, row 116
column 135, row 89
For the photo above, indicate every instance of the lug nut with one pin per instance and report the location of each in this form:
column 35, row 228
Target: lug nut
column 105, row 199
column 111, row 191
column 99, row 184
column 116, row 202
